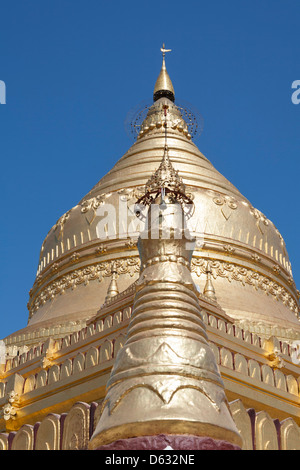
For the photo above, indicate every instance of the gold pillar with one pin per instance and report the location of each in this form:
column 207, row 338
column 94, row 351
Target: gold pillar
column 165, row 379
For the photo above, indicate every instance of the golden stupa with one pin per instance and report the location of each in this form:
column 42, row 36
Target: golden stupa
column 109, row 309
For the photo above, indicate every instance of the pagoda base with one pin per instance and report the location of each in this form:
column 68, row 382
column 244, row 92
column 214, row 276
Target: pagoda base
column 175, row 442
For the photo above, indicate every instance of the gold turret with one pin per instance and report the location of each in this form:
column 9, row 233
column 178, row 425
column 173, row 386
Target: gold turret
column 163, row 86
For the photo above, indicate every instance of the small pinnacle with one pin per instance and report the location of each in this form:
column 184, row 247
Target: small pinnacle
column 209, row 290
column 112, row 290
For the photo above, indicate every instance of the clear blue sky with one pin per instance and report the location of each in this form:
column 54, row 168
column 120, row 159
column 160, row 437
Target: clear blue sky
column 74, row 69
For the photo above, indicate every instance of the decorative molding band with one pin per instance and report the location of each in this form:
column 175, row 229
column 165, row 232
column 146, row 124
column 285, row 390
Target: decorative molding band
column 80, row 276
column 131, row 266
column 235, row 272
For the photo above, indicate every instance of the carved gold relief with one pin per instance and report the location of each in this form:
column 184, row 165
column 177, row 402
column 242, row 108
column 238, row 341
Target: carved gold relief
column 130, row 193
column 265, row 432
column 24, row 438
column 76, row 428
column 129, row 266
column 9, row 410
column 228, row 248
column 245, row 276
column 101, row 249
column 227, row 204
column 46, row 362
column 261, row 219
column 276, row 269
column 131, row 243
column 74, row 257
column 48, row 433
column 60, row 224
column 90, row 206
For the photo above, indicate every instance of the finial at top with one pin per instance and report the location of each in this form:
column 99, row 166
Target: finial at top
column 163, row 86
column 163, row 50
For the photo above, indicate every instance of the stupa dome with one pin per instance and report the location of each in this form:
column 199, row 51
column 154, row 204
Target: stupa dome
column 250, row 267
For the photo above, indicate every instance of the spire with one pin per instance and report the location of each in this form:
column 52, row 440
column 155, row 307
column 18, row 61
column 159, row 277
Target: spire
column 165, row 177
column 166, row 362
column 163, row 86
column 209, row 290
column 113, row 287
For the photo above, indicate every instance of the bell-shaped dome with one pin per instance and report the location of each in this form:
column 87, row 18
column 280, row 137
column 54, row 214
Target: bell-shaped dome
column 249, row 264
